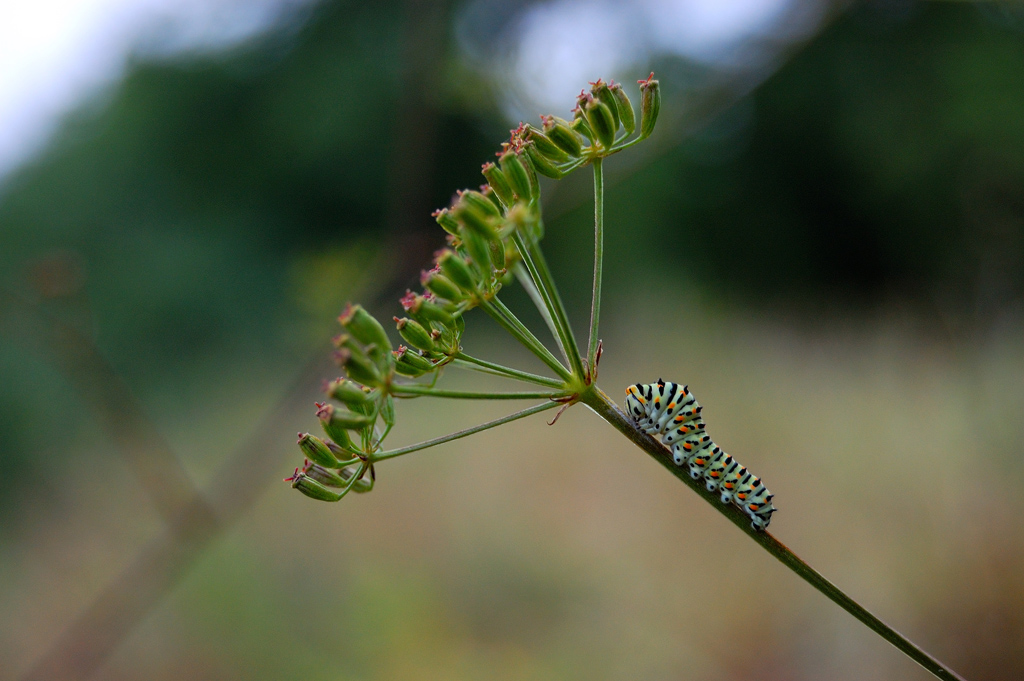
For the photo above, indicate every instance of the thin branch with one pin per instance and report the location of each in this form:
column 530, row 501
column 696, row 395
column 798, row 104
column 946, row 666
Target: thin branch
column 417, row 390
column 526, row 281
column 536, row 409
column 501, row 314
column 464, row 361
column 533, row 259
column 595, row 301
column 597, row 400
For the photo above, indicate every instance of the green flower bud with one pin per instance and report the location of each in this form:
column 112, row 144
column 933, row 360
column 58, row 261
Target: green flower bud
column 336, row 422
column 497, row 252
column 452, row 264
column 435, row 312
column 347, row 392
column 650, row 105
column 580, row 126
column 499, row 183
column 445, row 219
column 387, row 411
column 479, row 252
column 325, row 476
column 411, row 364
column 545, row 146
column 365, row 328
column 531, row 175
column 515, row 172
column 424, row 307
column 314, row 449
column 488, row 191
column 415, row 334
column 624, row 108
column 603, row 93
column 475, row 220
column 601, row 122
column 311, row 488
column 542, row 165
column 440, row 285
column 561, row 134
column 358, row 366
column 480, row 203
column 329, row 478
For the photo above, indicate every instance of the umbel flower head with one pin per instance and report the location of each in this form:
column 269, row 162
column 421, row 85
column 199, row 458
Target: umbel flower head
column 493, row 236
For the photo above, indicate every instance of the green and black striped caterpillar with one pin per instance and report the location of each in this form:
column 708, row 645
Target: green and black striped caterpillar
column 669, row 410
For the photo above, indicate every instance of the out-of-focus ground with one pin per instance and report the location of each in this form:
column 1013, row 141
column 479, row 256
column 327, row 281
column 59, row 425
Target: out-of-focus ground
column 561, row 552
column 834, row 262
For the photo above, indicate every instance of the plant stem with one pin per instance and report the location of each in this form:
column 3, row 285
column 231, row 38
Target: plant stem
column 623, row 145
column 536, row 409
column 595, row 301
column 523, row 276
column 573, row 165
column 417, row 390
column 351, row 483
column 599, row 402
column 464, row 361
column 535, row 263
column 511, row 323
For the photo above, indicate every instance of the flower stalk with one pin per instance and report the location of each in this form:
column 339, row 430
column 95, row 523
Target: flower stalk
column 493, row 238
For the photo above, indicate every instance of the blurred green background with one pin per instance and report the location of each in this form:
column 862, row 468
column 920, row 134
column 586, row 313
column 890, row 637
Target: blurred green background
column 825, row 240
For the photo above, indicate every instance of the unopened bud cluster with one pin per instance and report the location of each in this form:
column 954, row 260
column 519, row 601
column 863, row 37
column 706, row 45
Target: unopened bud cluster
column 485, row 229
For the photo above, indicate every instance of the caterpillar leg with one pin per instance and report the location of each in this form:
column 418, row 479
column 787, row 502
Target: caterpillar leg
column 755, row 499
column 698, row 462
column 759, row 521
column 715, row 472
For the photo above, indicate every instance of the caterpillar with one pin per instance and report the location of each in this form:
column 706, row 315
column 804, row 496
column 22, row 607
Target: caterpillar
column 670, row 410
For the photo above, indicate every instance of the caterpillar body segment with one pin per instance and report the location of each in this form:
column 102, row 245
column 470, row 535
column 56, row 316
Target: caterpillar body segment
column 669, row 410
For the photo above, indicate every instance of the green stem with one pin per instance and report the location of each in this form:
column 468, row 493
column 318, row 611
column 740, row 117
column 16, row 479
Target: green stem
column 511, row 323
column 536, row 409
column 573, row 165
column 534, row 260
column 595, row 301
column 624, row 145
column 597, row 400
column 526, row 281
column 464, row 361
column 338, row 496
column 417, row 390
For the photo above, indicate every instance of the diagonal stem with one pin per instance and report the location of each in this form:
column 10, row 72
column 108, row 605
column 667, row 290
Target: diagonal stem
column 418, row 390
column 505, row 317
column 595, row 301
column 598, row 401
column 533, row 259
column 464, row 361
column 529, row 411
column 523, row 276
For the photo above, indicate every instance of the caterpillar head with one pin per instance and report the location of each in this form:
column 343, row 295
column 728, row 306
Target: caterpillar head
column 636, row 403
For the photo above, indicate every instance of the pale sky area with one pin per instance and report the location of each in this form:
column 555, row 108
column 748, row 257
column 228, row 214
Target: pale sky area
column 564, row 43
column 54, row 54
